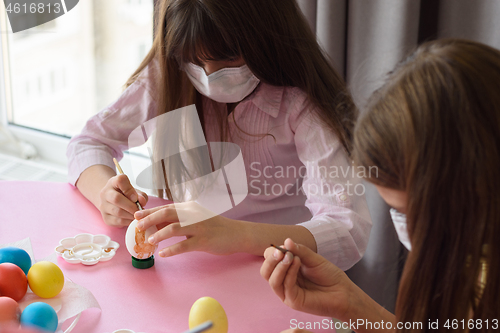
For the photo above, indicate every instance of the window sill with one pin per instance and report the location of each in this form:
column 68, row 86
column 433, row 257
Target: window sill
column 15, row 168
column 50, row 148
column 51, row 156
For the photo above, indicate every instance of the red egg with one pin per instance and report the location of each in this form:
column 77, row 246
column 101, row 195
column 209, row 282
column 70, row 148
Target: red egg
column 9, row 310
column 13, row 281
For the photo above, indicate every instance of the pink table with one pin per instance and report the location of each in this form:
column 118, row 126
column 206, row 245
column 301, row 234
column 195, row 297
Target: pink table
column 152, row 300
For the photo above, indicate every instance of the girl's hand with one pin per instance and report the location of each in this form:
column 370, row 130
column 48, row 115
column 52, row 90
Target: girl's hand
column 117, row 204
column 216, row 235
column 306, row 281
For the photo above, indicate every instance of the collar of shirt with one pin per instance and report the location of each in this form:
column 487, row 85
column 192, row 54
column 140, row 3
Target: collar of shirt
column 267, row 98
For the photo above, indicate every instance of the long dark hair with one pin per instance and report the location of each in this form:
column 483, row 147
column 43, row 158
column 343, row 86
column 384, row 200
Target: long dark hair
column 433, row 130
column 273, row 38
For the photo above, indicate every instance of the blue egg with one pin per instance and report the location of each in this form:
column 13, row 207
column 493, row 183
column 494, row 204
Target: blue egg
column 39, row 315
column 17, row 257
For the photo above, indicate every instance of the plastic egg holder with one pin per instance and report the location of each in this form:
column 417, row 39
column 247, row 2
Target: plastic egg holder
column 139, row 247
column 87, row 249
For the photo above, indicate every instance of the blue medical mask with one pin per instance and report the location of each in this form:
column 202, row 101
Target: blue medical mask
column 227, row 85
column 399, row 220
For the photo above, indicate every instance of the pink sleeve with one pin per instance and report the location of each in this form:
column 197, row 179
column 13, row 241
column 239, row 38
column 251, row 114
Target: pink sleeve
column 340, row 220
column 105, row 135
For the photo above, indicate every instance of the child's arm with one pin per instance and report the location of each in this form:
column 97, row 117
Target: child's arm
column 307, row 282
column 92, row 180
column 218, row 234
column 106, row 135
column 340, row 221
column 262, row 234
column 113, row 195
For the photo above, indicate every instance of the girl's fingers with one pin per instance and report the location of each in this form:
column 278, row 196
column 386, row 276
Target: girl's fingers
column 115, row 198
column 290, row 280
column 184, row 246
column 307, row 256
column 273, row 257
column 160, row 226
column 154, row 216
column 145, row 212
column 278, row 275
column 171, row 230
column 269, row 252
column 122, row 184
column 116, row 210
column 115, row 221
column 143, row 198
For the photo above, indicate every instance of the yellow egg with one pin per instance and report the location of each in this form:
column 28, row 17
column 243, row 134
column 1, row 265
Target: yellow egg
column 207, row 308
column 45, row 279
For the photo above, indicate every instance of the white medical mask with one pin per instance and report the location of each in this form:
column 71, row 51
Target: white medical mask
column 399, row 220
column 227, row 85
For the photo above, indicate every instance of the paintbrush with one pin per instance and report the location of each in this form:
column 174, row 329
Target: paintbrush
column 201, row 328
column 122, row 173
column 280, row 248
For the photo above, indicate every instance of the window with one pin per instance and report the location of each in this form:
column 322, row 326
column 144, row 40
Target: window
column 58, row 74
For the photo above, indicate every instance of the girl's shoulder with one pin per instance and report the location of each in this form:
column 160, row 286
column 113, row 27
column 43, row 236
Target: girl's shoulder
column 296, row 99
column 279, row 92
column 285, row 105
column 148, row 77
column 277, row 100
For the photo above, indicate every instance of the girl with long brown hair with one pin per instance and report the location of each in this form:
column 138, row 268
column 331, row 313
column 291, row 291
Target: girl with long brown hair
column 259, row 79
column 433, row 132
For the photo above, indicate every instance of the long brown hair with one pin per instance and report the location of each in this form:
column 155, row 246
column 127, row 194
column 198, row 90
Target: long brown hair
column 433, row 130
column 273, row 38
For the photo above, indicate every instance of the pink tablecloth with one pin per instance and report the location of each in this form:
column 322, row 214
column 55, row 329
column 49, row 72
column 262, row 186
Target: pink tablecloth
column 153, row 300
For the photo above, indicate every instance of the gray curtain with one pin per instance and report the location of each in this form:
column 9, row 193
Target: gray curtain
column 365, row 39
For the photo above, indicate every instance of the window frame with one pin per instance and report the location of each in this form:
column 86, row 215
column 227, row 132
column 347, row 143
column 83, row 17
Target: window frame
column 51, row 147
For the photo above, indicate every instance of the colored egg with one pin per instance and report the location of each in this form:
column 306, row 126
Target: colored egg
column 39, row 315
column 17, row 257
column 13, row 282
column 45, row 279
column 137, row 241
column 9, row 310
column 205, row 309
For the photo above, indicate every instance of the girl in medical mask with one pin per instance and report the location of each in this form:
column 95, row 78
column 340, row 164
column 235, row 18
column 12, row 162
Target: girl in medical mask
column 433, row 131
column 259, row 79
